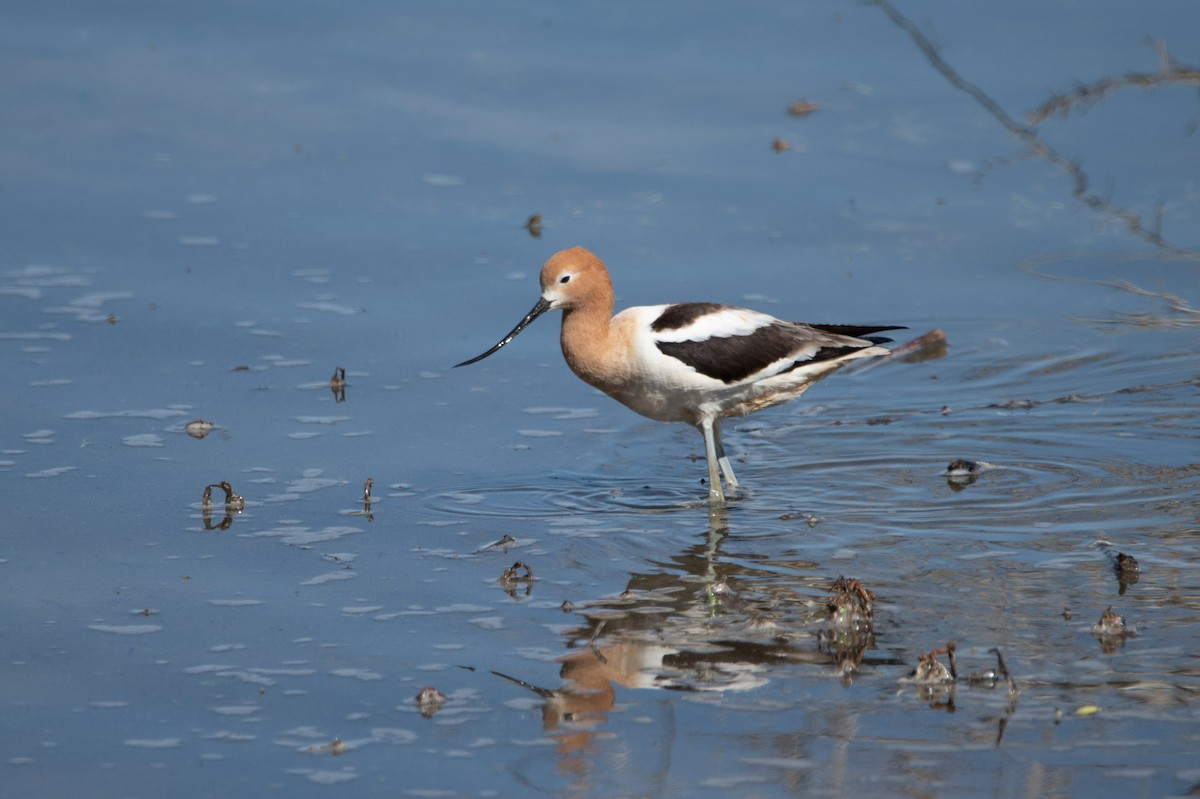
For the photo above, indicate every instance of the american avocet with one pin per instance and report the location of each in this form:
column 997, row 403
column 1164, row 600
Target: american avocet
column 693, row 362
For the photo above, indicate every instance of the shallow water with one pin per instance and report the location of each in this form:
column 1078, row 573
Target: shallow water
column 208, row 210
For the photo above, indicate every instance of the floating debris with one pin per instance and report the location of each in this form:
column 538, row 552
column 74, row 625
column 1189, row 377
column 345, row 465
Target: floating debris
column 429, row 701
column 962, row 468
column 335, row 747
column 962, row 473
column 850, row 607
column 802, row 108
column 1085, row 96
column 1126, row 567
column 1029, row 404
column 503, row 544
column 1129, row 571
column 337, row 384
column 716, row 593
column 513, row 577
column 1002, row 670
column 1087, row 710
column 512, row 574
column 233, row 504
column 534, row 226
column 934, row 682
column 199, row 428
column 1110, row 624
column 1013, row 692
column 232, row 501
column 366, row 499
column 1014, row 405
column 1127, row 564
column 849, row 634
column 930, row 671
column 1111, row 631
column 927, row 347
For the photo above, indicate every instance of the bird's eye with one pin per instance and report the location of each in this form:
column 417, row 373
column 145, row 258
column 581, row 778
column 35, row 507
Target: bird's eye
column 565, row 279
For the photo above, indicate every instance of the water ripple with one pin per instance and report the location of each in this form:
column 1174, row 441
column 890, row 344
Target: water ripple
column 565, row 493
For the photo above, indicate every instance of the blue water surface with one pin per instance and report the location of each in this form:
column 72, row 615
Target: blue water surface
column 209, row 208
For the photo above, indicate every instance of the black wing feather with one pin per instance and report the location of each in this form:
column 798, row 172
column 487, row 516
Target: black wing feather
column 734, row 358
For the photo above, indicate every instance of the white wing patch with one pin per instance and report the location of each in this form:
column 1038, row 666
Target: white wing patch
column 722, row 323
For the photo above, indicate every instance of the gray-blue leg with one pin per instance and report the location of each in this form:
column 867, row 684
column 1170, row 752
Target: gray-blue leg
column 726, row 468
column 711, row 438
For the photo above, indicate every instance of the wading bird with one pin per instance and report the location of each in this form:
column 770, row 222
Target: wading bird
column 693, row 362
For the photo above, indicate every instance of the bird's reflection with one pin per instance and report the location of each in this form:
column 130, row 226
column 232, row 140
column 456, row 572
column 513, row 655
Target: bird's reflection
column 704, row 620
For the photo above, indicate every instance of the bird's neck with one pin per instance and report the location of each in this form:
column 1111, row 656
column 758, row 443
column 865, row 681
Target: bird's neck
column 587, row 346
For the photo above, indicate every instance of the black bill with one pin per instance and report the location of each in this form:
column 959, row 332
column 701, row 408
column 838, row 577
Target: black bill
column 542, row 306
